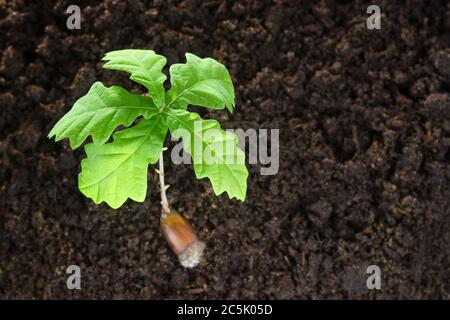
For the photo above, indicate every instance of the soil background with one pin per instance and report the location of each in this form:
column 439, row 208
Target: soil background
column 364, row 174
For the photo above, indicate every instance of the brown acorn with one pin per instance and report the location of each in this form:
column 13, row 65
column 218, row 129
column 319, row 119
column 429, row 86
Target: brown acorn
column 182, row 239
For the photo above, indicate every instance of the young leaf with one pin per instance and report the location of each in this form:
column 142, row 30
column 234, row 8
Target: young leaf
column 113, row 172
column 145, row 67
column 99, row 112
column 214, row 151
column 202, row 82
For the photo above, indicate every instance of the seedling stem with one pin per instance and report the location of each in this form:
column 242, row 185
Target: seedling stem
column 164, row 202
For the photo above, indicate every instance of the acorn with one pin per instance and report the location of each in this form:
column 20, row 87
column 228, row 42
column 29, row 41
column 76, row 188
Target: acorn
column 182, row 239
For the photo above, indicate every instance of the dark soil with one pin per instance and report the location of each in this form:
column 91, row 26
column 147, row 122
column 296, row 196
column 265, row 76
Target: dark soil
column 364, row 162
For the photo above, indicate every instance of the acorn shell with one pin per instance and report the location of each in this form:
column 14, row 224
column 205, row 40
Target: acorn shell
column 177, row 232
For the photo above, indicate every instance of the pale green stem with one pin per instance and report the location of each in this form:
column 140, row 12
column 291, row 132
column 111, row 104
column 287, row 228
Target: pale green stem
column 164, row 202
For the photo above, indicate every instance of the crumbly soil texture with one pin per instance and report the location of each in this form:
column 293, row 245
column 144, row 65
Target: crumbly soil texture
column 364, row 159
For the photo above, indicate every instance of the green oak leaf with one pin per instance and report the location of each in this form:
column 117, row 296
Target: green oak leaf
column 113, row 172
column 145, row 67
column 214, row 151
column 202, row 82
column 99, row 113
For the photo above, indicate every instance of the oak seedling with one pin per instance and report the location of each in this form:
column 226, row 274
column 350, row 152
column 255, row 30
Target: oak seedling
column 117, row 160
